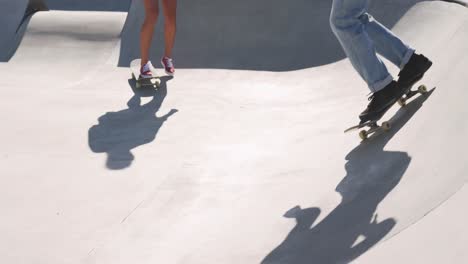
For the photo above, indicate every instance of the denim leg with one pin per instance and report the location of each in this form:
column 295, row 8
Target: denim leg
column 345, row 21
column 386, row 43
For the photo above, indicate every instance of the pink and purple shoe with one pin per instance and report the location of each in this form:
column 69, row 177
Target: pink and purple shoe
column 146, row 71
column 168, row 65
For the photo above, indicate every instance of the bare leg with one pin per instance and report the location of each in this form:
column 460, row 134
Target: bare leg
column 170, row 13
column 146, row 35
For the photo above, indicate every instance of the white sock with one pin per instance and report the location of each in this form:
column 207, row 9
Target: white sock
column 147, row 66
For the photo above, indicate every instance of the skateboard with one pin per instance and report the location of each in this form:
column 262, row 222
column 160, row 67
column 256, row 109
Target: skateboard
column 373, row 125
column 155, row 81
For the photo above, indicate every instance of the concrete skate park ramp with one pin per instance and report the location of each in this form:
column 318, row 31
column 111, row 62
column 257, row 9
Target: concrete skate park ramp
column 15, row 16
column 269, row 35
column 234, row 34
column 226, row 163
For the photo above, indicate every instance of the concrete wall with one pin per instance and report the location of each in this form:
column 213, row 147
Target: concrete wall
column 89, row 5
column 256, row 35
column 14, row 17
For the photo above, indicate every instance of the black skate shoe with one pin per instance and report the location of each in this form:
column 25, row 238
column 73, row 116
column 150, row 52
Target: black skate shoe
column 414, row 70
column 382, row 100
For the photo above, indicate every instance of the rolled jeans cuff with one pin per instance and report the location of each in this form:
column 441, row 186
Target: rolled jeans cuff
column 406, row 58
column 375, row 87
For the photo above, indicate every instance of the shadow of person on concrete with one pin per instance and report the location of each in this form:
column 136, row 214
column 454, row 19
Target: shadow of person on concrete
column 353, row 227
column 119, row 132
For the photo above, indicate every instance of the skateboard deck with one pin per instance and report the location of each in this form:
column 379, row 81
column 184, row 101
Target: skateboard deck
column 142, row 82
column 373, row 125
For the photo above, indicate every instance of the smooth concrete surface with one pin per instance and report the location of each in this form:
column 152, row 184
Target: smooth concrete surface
column 269, row 35
column 461, row 2
column 12, row 15
column 15, row 16
column 428, row 241
column 90, row 5
column 223, row 165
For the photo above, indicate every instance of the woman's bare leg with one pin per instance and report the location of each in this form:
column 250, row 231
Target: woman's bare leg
column 146, row 35
column 170, row 13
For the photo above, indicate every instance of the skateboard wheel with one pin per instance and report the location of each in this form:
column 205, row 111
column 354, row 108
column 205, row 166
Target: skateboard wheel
column 363, row 135
column 138, row 85
column 386, row 126
column 158, row 83
column 422, row 89
column 402, row 102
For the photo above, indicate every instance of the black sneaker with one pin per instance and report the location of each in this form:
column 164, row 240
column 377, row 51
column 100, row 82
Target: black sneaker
column 382, row 100
column 414, row 70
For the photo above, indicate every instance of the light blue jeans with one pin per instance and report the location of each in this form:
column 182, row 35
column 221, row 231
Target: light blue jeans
column 361, row 37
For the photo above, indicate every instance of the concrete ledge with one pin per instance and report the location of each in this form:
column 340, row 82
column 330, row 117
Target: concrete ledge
column 461, row 2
